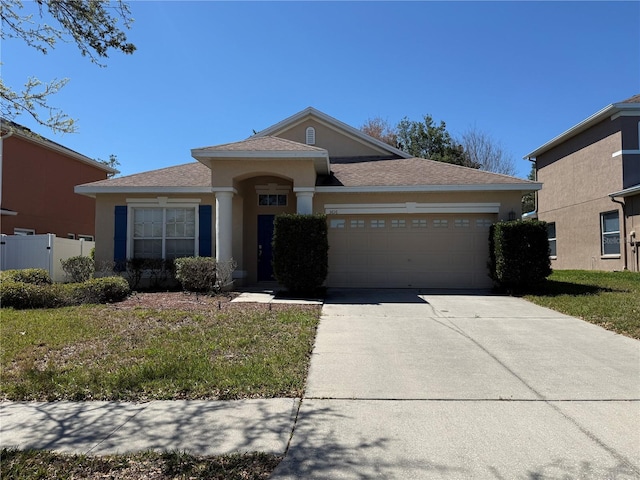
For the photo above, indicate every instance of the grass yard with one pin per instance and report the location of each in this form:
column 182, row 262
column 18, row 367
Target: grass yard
column 111, row 352
column 608, row 299
column 43, row 465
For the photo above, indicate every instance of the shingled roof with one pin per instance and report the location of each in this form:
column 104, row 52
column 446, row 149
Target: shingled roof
column 380, row 173
column 262, row 144
column 410, row 171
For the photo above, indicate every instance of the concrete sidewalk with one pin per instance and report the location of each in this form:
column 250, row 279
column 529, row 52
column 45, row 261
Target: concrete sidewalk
column 199, row 427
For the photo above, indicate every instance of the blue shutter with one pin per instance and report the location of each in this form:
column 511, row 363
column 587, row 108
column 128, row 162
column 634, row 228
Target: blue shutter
column 120, row 237
column 205, row 218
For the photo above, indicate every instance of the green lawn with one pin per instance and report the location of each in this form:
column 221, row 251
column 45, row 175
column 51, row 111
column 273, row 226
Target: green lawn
column 44, row 465
column 608, row 299
column 103, row 352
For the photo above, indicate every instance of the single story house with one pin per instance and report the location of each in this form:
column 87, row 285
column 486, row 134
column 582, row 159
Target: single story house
column 394, row 220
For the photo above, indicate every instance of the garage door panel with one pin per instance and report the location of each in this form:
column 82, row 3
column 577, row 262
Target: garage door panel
column 432, row 251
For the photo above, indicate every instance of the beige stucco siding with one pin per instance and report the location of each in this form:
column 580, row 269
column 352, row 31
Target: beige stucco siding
column 105, row 218
column 336, row 143
column 228, row 173
column 577, row 178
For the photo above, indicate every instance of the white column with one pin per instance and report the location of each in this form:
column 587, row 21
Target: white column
column 224, row 225
column 304, row 202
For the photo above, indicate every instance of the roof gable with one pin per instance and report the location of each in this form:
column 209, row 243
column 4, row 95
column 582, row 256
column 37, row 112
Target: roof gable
column 338, row 138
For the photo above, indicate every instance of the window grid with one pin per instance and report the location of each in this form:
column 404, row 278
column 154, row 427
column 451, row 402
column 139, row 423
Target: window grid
column 610, row 228
column 377, row 224
column 419, row 223
column 441, row 223
column 272, row 200
column 165, row 233
column 356, row 224
column 461, row 223
column 398, row 223
column 483, row 223
column 337, row 223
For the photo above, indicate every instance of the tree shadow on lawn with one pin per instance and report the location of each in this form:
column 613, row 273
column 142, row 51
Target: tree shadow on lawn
column 555, row 288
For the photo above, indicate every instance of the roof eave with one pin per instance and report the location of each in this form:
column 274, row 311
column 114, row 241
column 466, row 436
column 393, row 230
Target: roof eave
column 320, row 157
column 609, row 111
column 92, row 191
column 34, row 138
column 627, row 192
column 493, row 187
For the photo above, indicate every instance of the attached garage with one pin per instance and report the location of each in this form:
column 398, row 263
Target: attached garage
column 400, row 251
column 394, row 220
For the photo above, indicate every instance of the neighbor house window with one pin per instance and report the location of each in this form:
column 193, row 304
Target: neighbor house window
column 86, row 237
column 357, row 224
column 272, row 200
column 24, row 231
column 461, row 223
column 551, row 236
column 610, row 228
column 398, row 223
column 337, row 223
column 377, row 223
column 166, row 233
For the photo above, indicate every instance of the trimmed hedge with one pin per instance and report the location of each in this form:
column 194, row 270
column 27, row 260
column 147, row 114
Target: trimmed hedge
column 32, row 276
column 519, row 254
column 21, row 295
column 300, row 252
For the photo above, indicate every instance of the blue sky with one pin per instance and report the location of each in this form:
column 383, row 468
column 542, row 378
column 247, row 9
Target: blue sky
column 207, row 73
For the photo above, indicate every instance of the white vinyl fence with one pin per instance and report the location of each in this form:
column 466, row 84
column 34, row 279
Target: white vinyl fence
column 41, row 251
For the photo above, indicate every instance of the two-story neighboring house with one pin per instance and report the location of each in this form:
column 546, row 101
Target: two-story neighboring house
column 38, row 178
column 591, row 190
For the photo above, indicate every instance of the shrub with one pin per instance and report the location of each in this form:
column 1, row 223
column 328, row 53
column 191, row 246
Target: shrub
column 196, row 274
column 22, row 295
column 519, row 254
column 79, row 269
column 97, row 290
column 33, row 276
column 300, row 252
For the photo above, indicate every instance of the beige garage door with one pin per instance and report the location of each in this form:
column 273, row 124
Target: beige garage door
column 415, row 251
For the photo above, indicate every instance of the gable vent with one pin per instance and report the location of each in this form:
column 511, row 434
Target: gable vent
column 311, row 136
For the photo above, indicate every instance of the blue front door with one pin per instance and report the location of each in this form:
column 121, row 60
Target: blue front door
column 265, row 236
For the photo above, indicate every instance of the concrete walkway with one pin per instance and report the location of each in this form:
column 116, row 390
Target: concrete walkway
column 405, row 384
column 402, row 384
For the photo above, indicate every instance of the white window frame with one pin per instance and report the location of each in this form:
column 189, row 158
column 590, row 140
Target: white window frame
column 607, row 234
column 164, row 203
column 24, row 231
column 88, row 238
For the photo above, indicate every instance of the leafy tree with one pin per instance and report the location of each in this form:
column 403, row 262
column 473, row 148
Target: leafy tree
column 112, row 162
column 430, row 140
column 488, row 153
column 379, row 128
column 91, row 24
column 529, row 199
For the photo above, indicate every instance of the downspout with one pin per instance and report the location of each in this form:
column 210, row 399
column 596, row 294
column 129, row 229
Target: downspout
column 624, row 230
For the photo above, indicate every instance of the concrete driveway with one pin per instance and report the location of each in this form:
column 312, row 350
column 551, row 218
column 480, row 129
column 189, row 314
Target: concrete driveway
column 409, row 384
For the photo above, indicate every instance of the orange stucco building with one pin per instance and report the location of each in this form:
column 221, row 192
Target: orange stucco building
column 38, row 178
